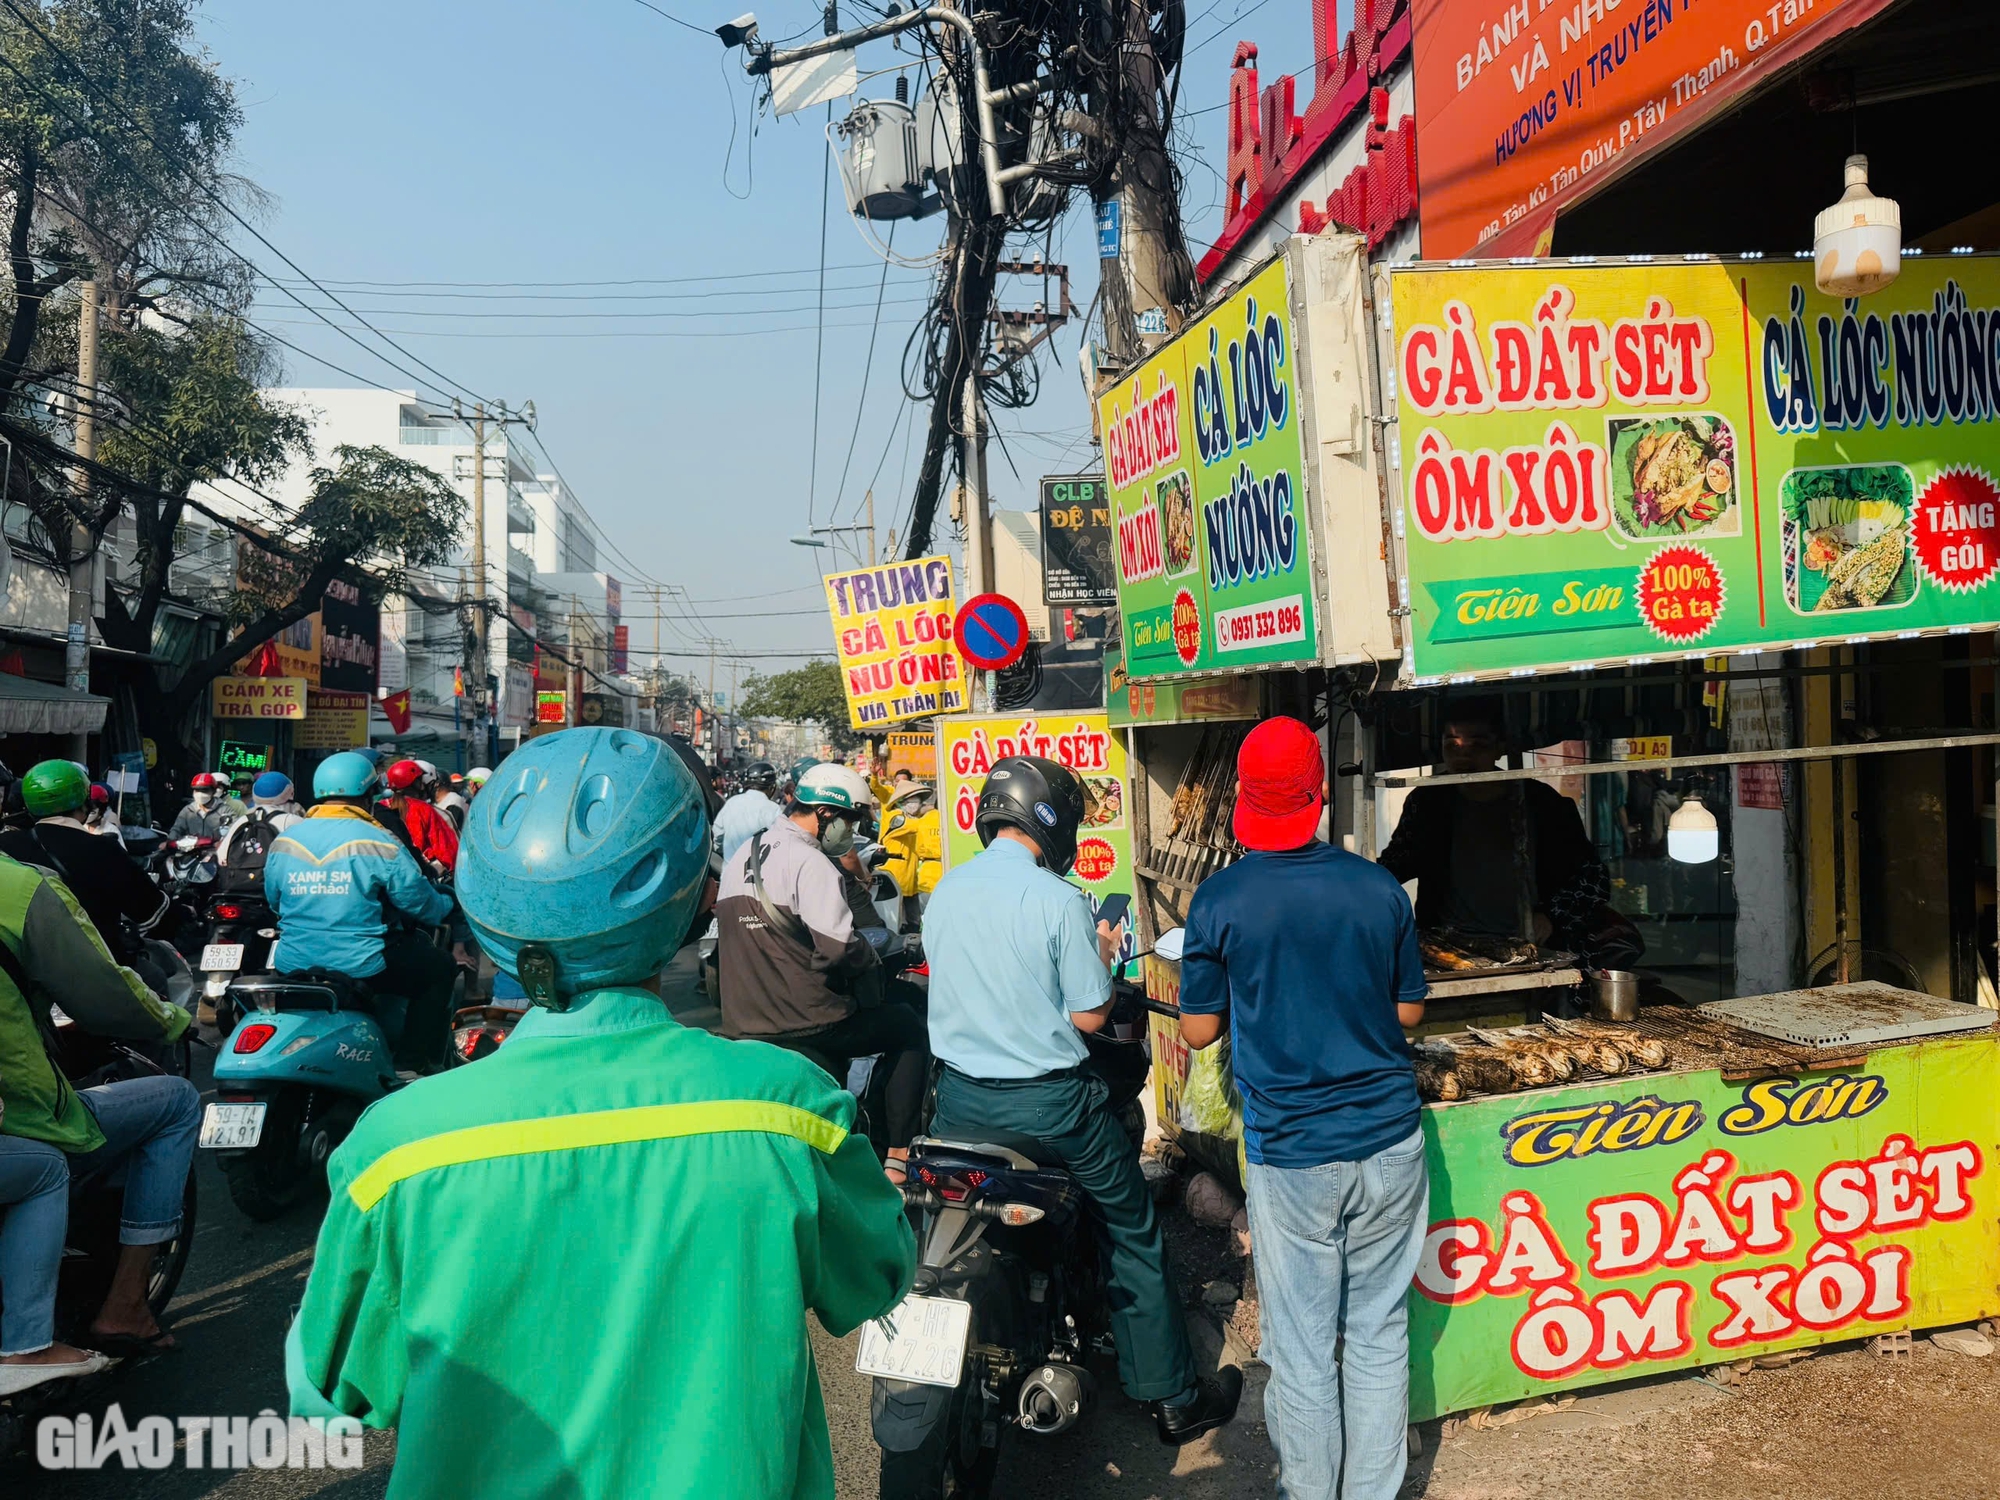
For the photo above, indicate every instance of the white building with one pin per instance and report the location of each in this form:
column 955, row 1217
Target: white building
column 533, row 526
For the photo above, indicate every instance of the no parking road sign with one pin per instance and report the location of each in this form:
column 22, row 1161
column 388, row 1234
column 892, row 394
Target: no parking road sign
column 991, row 631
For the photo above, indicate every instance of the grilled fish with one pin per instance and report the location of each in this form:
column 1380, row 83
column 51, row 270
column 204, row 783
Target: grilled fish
column 1646, row 1051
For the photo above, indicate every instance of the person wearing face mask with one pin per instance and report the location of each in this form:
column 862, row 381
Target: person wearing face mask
column 795, row 971
column 206, row 814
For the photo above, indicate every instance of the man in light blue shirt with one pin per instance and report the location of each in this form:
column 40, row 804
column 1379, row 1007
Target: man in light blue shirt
column 1018, row 977
column 750, row 811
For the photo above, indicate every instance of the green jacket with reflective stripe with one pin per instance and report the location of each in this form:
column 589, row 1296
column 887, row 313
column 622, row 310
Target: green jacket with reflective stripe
column 68, row 965
column 580, row 1267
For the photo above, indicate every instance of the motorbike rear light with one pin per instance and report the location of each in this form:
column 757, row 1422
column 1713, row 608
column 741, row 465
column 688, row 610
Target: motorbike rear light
column 250, row 1038
column 228, row 912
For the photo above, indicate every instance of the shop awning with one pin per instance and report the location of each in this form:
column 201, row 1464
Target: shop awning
column 31, row 707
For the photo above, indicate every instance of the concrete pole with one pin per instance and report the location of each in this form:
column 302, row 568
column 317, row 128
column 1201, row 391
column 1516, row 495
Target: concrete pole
column 481, row 699
column 76, row 645
column 978, row 521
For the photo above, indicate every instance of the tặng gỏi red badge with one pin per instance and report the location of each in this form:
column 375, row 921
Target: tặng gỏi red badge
column 1958, row 529
column 1680, row 594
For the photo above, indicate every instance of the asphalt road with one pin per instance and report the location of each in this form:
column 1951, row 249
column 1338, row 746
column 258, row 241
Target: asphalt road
column 244, row 1279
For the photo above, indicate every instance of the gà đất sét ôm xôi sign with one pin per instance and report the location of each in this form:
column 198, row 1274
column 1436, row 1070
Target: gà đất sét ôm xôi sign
column 1210, row 531
column 1085, row 743
column 1616, row 462
column 1602, row 1231
column 892, row 634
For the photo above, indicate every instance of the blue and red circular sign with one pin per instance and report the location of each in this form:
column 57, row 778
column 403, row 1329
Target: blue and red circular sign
column 991, row 631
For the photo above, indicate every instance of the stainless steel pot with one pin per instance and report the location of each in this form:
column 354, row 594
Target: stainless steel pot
column 1614, row 994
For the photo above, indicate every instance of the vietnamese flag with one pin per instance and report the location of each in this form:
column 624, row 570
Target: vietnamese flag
column 397, row 708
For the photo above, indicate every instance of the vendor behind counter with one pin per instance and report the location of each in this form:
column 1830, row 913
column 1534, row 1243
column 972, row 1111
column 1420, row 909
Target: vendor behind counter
column 1505, row 859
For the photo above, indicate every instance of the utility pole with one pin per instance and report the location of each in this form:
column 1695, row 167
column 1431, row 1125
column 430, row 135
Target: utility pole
column 484, row 696
column 1151, row 278
column 873, row 556
column 713, row 736
column 76, row 644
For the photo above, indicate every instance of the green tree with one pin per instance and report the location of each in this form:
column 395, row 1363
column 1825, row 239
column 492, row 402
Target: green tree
column 811, row 694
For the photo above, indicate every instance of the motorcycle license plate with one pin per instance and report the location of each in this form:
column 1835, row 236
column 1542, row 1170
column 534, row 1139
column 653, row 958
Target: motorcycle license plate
column 221, row 956
column 232, row 1127
column 920, row 1339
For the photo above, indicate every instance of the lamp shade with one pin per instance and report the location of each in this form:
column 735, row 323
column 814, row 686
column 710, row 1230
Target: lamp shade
column 1692, row 835
column 1857, row 243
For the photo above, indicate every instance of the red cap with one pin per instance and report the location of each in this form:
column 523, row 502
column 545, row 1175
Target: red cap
column 1280, row 774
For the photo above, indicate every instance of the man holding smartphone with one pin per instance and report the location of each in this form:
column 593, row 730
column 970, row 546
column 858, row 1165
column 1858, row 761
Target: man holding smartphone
column 1018, row 980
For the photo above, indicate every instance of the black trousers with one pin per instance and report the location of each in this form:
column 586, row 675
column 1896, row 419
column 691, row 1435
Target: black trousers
column 413, row 967
column 899, row 1034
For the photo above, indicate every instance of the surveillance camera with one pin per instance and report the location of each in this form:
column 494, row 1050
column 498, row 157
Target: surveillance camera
column 739, row 32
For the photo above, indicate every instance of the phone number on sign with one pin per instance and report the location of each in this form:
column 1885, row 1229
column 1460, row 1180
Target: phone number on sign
column 1253, row 625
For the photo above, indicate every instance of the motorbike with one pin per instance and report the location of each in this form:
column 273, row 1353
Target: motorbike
column 239, row 931
column 96, row 1202
column 1008, row 1301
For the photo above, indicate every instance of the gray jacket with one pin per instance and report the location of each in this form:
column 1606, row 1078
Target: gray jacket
column 789, row 977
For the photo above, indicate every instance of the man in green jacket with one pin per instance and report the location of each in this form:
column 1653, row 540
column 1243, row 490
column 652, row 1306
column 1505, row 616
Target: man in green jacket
column 580, row 1267
column 51, row 952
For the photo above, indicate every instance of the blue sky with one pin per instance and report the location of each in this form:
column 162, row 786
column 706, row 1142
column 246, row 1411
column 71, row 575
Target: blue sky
column 591, row 142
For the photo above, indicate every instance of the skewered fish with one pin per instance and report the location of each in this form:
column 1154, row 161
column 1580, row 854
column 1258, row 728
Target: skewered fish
column 1535, row 1060
column 1646, row 1051
column 1601, row 1054
column 1446, row 948
column 1446, row 1071
column 1862, row 578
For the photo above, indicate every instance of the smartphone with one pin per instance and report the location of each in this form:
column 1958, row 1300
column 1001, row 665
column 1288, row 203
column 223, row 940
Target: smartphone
column 1115, row 909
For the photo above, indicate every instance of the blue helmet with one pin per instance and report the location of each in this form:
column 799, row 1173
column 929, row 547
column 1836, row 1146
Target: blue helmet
column 592, row 844
column 272, row 786
column 348, row 774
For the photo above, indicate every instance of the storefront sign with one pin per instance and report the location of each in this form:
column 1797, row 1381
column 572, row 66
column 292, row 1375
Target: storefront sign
column 1076, row 541
column 350, row 640
column 1521, row 107
column 334, row 721
column 1604, row 1231
column 258, row 698
column 298, row 647
column 1603, row 464
column 1211, row 539
column 915, row 753
column 1180, row 700
column 892, row 633
column 551, row 706
column 237, row 756
column 1082, row 742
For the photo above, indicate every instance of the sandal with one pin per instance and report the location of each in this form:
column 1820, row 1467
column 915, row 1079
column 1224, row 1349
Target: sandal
column 133, row 1345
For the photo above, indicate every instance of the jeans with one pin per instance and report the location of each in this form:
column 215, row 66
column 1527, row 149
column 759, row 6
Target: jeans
column 897, row 1033
column 415, row 968
column 1337, row 1249
column 150, row 1125
column 34, row 1217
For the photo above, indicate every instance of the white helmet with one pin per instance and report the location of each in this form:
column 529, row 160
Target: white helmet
column 848, row 780
column 479, row 775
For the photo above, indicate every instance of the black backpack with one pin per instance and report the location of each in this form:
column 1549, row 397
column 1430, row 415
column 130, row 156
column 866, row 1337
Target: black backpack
column 248, row 849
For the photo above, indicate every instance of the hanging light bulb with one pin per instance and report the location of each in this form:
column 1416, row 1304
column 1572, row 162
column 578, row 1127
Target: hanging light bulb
column 1692, row 835
column 1858, row 243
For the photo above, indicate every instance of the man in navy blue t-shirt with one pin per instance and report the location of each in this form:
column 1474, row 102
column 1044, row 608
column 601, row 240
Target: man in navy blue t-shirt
column 1311, row 953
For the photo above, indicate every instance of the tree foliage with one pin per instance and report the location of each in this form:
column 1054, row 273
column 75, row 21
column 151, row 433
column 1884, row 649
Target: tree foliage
column 811, row 694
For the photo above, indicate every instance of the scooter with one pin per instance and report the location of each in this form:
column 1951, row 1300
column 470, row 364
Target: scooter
column 240, row 931
column 96, row 1202
column 1006, row 1306
column 310, row 1053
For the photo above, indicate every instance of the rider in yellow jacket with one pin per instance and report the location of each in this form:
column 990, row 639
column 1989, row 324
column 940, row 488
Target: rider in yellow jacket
column 914, row 837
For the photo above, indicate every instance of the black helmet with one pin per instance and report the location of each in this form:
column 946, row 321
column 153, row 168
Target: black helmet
column 1041, row 798
column 761, row 775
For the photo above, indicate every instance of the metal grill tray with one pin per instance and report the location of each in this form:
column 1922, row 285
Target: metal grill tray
column 1843, row 1015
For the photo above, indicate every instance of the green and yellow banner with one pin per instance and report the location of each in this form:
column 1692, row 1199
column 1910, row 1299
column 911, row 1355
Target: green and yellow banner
column 1210, row 535
column 1607, row 1230
column 1607, row 463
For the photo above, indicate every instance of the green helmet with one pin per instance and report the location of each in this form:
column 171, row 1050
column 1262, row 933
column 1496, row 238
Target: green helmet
column 799, row 768
column 55, row 786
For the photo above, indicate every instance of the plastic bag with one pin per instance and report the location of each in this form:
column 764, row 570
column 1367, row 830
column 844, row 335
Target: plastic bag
column 1210, row 1104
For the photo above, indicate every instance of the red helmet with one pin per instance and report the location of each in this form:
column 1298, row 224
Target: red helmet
column 205, row 781
column 403, row 775
column 100, row 794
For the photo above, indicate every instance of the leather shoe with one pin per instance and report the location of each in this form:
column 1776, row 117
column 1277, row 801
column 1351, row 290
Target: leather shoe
column 1214, row 1403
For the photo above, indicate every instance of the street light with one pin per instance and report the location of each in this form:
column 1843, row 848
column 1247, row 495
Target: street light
column 812, row 534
